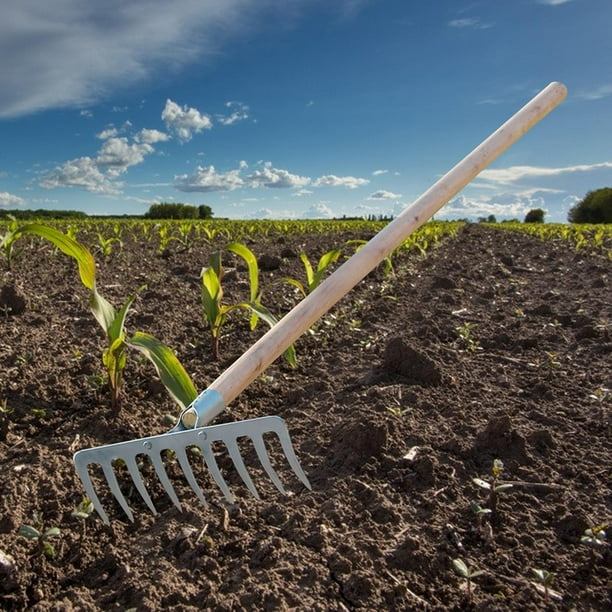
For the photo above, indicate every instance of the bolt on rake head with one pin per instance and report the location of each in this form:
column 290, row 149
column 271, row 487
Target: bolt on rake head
column 179, row 441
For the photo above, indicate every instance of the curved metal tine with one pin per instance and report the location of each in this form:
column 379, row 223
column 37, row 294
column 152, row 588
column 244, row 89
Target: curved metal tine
column 234, row 451
column 211, row 463
column 163, row 478
column 132, row 467
column 83, row 472
column 285, row 440
column 111, row 478
column 181, row 455
column 264, row 459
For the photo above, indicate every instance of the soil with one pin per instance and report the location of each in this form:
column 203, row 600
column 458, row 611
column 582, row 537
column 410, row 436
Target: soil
column 489, row 347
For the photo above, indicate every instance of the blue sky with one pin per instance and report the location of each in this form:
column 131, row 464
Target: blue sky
column 298, row 108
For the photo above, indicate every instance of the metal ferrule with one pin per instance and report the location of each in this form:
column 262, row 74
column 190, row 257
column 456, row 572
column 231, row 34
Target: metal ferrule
column 202, row 410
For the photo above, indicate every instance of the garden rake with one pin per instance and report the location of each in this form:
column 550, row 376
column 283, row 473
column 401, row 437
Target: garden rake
column 192, row 429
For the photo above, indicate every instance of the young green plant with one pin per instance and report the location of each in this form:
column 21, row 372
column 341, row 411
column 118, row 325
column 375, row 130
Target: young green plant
column 41, row 536
column 314, row 277
column 114, row 356
column 216, row 312
column 463, row 570
column 494, row 487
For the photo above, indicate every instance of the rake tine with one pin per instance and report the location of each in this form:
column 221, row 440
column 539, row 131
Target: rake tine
column 163, row 478
column 132, row 467
column 186, row 467
column 211, row 463
column 83, row 473
column 111, row 478
column 234, row 452
column 283, row 435
column 264, row 459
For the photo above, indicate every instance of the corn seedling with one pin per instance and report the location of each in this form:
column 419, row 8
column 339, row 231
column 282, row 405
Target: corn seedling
column 462, row 569
column 7, row 242
column 114, row 356
column 216, row 313
column 106, row 244
column 41, row 536
column 494, row 487
column 314, row 277
column 544, row 579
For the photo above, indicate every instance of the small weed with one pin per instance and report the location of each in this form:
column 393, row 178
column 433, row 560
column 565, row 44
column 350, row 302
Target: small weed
column 544, row 579
column 41, row 536
column 466, row 336
column 494, row 487
column 462, row 569
column 601, row 398
column 5, row 413
column 595, row 538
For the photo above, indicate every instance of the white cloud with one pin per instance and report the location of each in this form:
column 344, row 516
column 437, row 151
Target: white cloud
column 513, row 174
column 207, row 179
column 383, row 194
column 320, row 210
column 108, row 133
column 8, row 200
column 238, row 112
column 331, row 180
column 503, row 206
column 473, row 23
column 379, row 172
column 117, row 155
column 302, row 192
column 603, row 91
column 83, row 173
column 553, row 2
column 276, row 178
column 185, row 121
column 151, row 136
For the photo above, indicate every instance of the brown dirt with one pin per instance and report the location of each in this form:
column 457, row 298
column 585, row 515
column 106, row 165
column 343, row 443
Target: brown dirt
column 390, row 412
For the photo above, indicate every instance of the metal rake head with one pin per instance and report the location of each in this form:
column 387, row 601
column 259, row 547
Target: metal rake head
column 179, row 441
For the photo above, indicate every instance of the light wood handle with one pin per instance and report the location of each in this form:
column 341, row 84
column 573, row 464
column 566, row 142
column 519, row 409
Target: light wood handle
column 270, row 346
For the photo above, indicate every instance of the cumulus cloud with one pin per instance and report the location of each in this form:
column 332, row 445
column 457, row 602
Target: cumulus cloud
column 98, row 174
column 184, row 121
column 207, row 179
column 379, row 172
column 8, row 200
column 83, row 173
column 320, row 210
column 383, row 194
column 331, row 180
column 237, row 112
column 503, row 206
column 275, row 178
column 151, row 136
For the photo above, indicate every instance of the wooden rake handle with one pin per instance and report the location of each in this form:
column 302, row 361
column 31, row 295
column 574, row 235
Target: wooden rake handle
column 273, row 344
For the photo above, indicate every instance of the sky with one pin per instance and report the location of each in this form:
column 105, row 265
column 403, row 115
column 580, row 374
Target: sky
column 299, row 108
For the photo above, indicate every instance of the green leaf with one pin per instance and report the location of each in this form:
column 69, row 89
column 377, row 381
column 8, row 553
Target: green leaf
column 68, row 246
column 115, row 330
column 253, row 267
column 103, row 311
column 502, row 487
column 169, row 368
column 211, row 296
column 27, row 531
column 51, row 532
column 461, row 568
column 481, row 483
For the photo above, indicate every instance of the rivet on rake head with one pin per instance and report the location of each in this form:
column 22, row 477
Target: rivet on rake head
column 148, row 445
column 202, row 435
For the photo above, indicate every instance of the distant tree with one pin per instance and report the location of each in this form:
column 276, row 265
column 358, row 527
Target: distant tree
column 595, row 207
column 489, row 219
column 204, row 212
column 535, row 215
column 172, row 210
